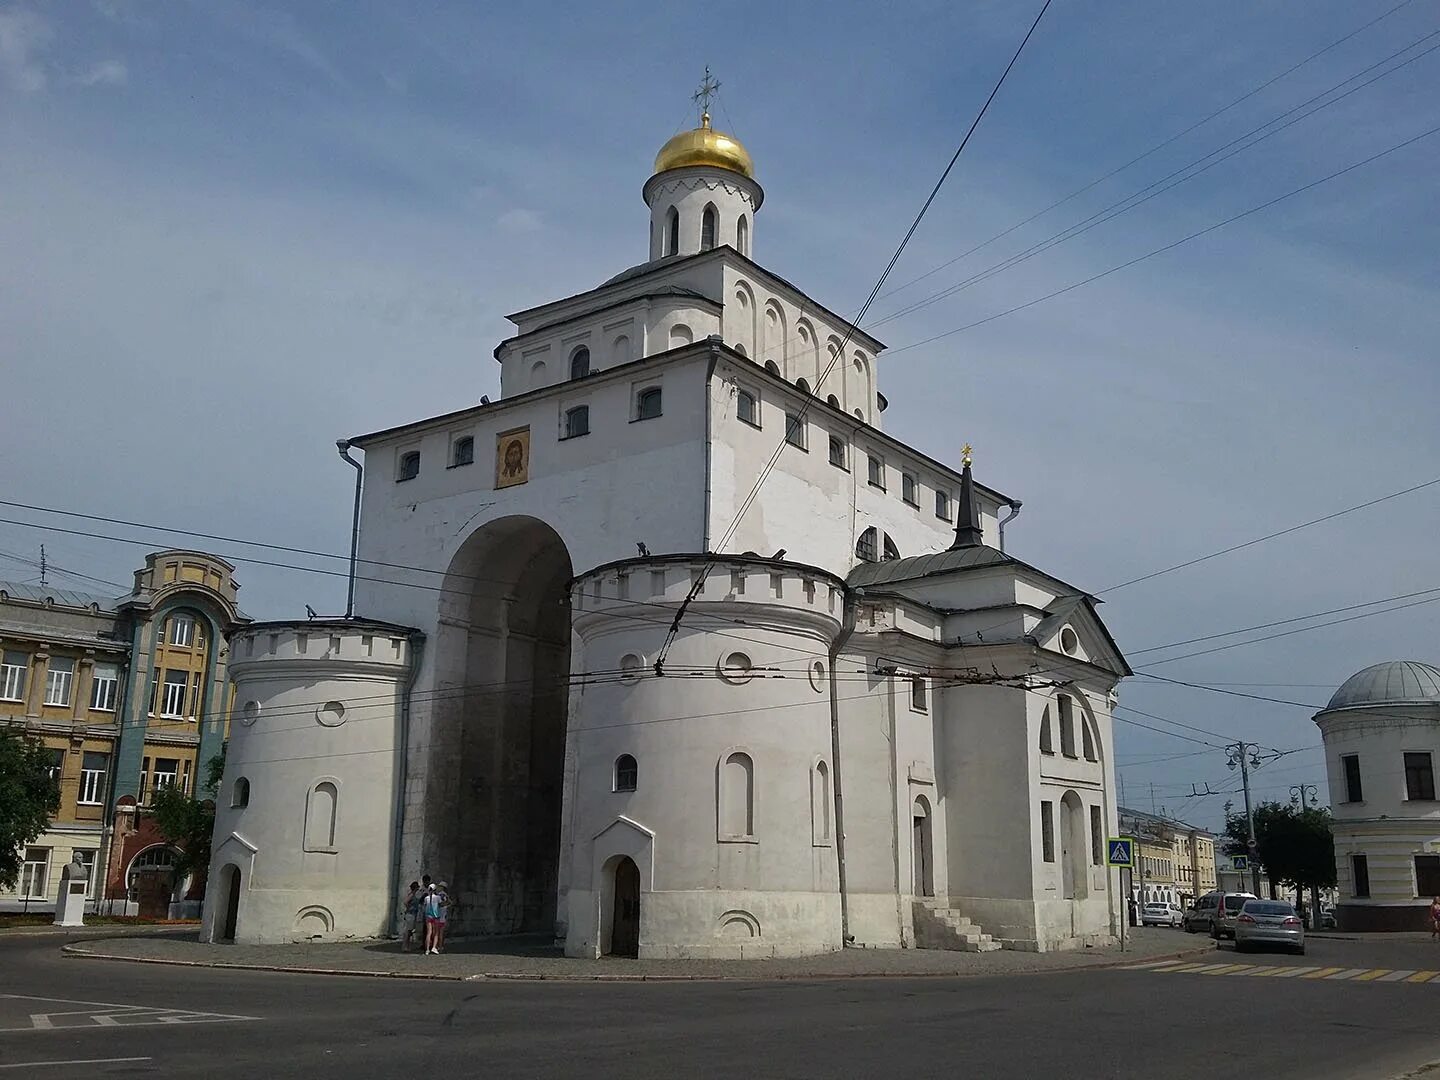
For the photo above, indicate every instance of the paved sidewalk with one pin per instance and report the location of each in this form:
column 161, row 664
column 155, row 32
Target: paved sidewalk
column 536, row 958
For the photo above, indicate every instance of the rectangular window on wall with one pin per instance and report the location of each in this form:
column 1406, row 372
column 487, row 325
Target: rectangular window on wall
column 197, row 694
column 1047, row 831
column 104, row 687
column 35, row 873
column 1427, row 875
column 875, row 472
column 795, row 430
column 167, row 773
column 59, row 680
column 154, row 690
column 1353, row 791
column 1419, row 777
column 1067, row 725
column 1360, row 875
column 1097, row 837
column 14, row 665
column 144, row 781
column 57, row 764
column 92, row 778
column 919, row 700
column 172, row 701
column 182, row 631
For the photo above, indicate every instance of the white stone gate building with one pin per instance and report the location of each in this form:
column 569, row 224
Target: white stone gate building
column 610, row 684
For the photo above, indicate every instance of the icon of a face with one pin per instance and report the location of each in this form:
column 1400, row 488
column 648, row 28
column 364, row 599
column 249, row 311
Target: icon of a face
column 514, row 458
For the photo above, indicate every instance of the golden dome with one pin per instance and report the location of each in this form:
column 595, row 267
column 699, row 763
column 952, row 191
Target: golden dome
column 705, row 146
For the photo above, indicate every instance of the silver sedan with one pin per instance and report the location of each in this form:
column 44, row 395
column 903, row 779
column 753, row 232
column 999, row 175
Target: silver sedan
column 1269, row 922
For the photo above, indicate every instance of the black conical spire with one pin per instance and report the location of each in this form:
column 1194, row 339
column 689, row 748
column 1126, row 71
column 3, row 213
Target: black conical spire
column 967, row 515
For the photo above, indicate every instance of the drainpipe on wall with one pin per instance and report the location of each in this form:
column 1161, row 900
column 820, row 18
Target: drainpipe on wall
column 847, row 627
column 343, row 445
column 1015, row 505
column 402, row 766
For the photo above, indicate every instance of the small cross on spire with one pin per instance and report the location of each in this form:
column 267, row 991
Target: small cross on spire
column 965, row 453
column 702, row 97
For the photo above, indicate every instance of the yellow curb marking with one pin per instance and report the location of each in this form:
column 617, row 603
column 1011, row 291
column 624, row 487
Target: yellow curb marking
column 1371, row 976
column 1422, row 976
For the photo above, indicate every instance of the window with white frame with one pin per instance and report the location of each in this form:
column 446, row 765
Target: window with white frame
column 463, row 452
column 166, row 774
column 104, row 687
column 14, row 665
column 876, row 472
column 182, row 630
column 795, row 430
column 197, row 692
column 648, row 403
column 59, row 680
column 172, row 695
column 747, row 409
column 409, row 466
column 577, row 422
column 35, row 873
column 92, row 778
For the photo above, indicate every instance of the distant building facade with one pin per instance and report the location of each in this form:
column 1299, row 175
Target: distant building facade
column 1382, row 736
column 128, row 695
column 1177, row 860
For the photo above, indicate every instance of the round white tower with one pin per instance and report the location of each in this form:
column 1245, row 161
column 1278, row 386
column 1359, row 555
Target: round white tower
column 700, row 805
column 305, row 817
column 703, row 194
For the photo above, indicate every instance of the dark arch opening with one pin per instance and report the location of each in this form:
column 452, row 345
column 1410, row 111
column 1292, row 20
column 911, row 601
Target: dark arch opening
column 496, row 760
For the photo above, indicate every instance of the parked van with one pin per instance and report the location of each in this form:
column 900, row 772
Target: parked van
column 1200, row 916
column 1223, row 924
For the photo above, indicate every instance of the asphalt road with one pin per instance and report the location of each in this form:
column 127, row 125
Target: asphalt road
column 1105, row 1023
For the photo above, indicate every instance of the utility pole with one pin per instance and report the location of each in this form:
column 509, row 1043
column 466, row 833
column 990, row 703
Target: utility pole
column 1245, row 755
column 1298, row 793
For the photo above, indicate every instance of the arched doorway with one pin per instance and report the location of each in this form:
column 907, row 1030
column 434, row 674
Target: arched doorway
column 1073, row 881
column 921, row 854
column 625, row 910
column 150, row 882
column 497, row 752
column 229, row 902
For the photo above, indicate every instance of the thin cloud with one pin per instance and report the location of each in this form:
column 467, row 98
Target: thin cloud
column 105, row 73
column 519, row 221
column 23, row 35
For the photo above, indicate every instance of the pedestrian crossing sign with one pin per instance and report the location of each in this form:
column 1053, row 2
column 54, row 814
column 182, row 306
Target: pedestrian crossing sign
column 1242, row 862
column 1120, row 851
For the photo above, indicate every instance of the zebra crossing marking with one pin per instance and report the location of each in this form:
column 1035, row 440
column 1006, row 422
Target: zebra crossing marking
column 1289, row 971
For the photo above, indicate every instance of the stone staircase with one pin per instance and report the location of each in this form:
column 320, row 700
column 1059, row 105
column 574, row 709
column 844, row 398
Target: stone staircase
column 940, row 927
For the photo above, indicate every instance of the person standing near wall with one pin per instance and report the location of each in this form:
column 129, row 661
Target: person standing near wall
column 410, row 906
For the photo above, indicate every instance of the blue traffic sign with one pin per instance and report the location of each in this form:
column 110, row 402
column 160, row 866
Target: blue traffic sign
column 1120, row 851
column 1242, row 862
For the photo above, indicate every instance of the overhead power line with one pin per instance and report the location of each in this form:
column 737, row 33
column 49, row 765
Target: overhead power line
column 1154, row 149
column 1167, row 247
column 839, row 354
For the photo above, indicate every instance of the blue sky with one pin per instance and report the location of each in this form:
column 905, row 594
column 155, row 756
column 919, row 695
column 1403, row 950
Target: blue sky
column 231, row 232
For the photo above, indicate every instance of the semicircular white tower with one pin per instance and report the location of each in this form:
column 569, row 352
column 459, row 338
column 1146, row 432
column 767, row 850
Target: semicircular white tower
column 703, row 194
column 305, row 818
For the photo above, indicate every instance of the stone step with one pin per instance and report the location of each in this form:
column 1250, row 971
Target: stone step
column 938, row 927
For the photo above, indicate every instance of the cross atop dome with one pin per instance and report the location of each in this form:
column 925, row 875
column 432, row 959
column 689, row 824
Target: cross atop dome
column 709, row 87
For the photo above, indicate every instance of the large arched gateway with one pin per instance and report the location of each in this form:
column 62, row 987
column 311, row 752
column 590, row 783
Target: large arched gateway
column 496, row 756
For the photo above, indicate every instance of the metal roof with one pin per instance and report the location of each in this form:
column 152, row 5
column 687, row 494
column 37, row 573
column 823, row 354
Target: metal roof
column 1395, row 682
column 919, row 566
column 37, row 594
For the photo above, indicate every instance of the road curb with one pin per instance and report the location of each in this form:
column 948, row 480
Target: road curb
column 74, row 949
column 98, row 933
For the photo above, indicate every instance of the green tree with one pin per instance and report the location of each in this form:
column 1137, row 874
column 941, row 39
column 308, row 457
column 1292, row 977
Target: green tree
column 1295, row 846
column 188, row 822
column 27, row 799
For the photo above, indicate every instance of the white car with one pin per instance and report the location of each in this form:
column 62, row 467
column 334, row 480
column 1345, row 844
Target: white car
column 1162, row 914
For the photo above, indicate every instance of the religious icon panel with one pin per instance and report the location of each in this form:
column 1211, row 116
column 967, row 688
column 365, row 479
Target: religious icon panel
column 512, row 457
